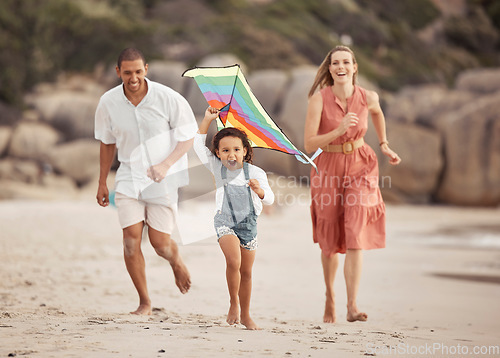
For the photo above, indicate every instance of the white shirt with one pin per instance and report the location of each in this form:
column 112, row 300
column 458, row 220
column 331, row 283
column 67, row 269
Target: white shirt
column 144, row 136
column 234, row 177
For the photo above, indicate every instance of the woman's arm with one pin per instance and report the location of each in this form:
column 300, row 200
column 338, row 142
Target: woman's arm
column 312, row 140
column 378, row 120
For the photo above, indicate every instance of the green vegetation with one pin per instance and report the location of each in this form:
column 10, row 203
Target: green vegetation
column 39, row 39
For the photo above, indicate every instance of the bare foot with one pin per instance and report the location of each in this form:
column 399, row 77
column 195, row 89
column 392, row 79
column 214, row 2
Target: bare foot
column 233, row 315
column 353, row 316
column 249, row 323
column 143, row 309
column 329, row 316
column 182, row 278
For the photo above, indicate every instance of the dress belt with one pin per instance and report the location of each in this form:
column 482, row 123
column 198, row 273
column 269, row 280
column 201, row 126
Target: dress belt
column 346, row 148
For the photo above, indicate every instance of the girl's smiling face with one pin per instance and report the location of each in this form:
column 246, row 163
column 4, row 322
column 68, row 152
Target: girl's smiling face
column 231, row 152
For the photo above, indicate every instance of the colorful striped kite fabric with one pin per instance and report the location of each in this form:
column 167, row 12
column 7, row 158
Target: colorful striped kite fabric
column 226, row 88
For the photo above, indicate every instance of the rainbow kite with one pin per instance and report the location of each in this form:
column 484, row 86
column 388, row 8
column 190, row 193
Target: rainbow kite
column 227, row 89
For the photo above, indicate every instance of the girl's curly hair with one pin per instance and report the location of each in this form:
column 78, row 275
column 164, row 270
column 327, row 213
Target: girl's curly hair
column 233, row 132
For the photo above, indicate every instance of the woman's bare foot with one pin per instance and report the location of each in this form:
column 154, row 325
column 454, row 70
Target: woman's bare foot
column 233, row 316
column 329, row 316
column 355, row 315
column 249, row 323
column 143, row 309
column 182, row 278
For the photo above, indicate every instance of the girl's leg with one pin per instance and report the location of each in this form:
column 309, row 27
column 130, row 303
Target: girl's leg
column 230, row 246
column 247, row 260
column 330, row 265
column 352, row 273
column 134, row 260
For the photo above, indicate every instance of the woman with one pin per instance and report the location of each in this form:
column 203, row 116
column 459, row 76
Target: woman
column 347, row 210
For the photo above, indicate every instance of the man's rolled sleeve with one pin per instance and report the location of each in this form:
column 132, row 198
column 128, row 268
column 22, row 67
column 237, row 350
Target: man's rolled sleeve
column 102, row 129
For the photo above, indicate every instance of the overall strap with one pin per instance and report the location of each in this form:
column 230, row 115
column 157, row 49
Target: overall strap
column 223, row 172
column 247, row 177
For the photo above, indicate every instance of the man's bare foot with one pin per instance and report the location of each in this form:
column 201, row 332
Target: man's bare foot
column 249, row 323
column 143, row 309
column 329, row 316
column 233, row 316
column 353, row 316
column 182, row 278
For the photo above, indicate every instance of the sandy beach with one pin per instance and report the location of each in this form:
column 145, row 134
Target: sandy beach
column 434, row 291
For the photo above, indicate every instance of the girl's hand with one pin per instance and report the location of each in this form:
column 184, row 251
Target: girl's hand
column 350, row 120
column 211, row 113
column 255, row 186
column 394, row 158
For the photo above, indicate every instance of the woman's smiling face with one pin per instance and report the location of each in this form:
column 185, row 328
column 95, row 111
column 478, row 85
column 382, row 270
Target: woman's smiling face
column 342, row 67
column 231, row 152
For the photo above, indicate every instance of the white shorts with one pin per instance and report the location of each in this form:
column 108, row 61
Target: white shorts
column 132, row 211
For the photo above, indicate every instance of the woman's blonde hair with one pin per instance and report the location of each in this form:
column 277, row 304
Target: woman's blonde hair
column 323, row 77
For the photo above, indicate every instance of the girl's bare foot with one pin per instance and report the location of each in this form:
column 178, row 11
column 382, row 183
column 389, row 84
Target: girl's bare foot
column 233, row 316
column 182, row 278
column 355, row 315
column 329, row 316
column 143, row 309
column 249, row 323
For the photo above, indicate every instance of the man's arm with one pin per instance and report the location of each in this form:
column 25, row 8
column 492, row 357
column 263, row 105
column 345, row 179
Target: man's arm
column 107, row 154
column 158, row 172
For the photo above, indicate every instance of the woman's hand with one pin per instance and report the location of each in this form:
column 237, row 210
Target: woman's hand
column 394, row 159
column 350, row 120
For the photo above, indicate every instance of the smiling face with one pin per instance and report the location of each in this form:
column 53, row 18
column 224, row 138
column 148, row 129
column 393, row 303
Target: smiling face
column 342, row 67
column 231, row 152
column 132, row 74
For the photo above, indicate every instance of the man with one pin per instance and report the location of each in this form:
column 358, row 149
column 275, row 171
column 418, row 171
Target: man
column 152, row 127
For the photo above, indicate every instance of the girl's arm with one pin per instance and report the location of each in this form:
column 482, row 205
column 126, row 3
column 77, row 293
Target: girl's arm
column 260, row 185
column 205, row 155
column 313, row 140
column 211, row 113
column 378, row 120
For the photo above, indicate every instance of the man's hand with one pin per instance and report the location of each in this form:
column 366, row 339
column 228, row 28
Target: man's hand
column 102, row 195
column 158, row 172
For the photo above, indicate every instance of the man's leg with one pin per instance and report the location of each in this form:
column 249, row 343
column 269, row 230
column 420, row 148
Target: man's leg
column 352, row 273
column 230, row 246
column 167, row 248
column 247, row 260
column 134, row 260
column 330, row 265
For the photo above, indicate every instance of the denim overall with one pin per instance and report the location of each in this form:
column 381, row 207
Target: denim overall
column 237, row 216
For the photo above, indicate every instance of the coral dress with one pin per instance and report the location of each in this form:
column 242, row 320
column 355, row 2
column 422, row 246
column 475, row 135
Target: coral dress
column 347, row 209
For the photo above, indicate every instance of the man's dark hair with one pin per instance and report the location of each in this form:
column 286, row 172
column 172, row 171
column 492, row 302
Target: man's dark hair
column 130, row 54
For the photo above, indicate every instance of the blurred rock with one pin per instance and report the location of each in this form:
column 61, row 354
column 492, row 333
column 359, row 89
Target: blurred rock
column 33, row 140
column 294, row 110
column 12, row 190
column 168, row 73
column 5, row 135
column 25, row 171
column 78, row 160
column 480, row 80
column 418, row 174
column 8, row 114
column 70, row 112
column 472, row 149
column 269, row 87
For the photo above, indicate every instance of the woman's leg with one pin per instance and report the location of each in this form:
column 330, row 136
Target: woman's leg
column 247, row 260
column 330, row 265
column 230, row 246
column 134, row 261
column 352, row 273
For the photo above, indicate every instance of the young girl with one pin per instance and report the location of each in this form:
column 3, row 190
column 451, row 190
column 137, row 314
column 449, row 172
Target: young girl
column 242, row 188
